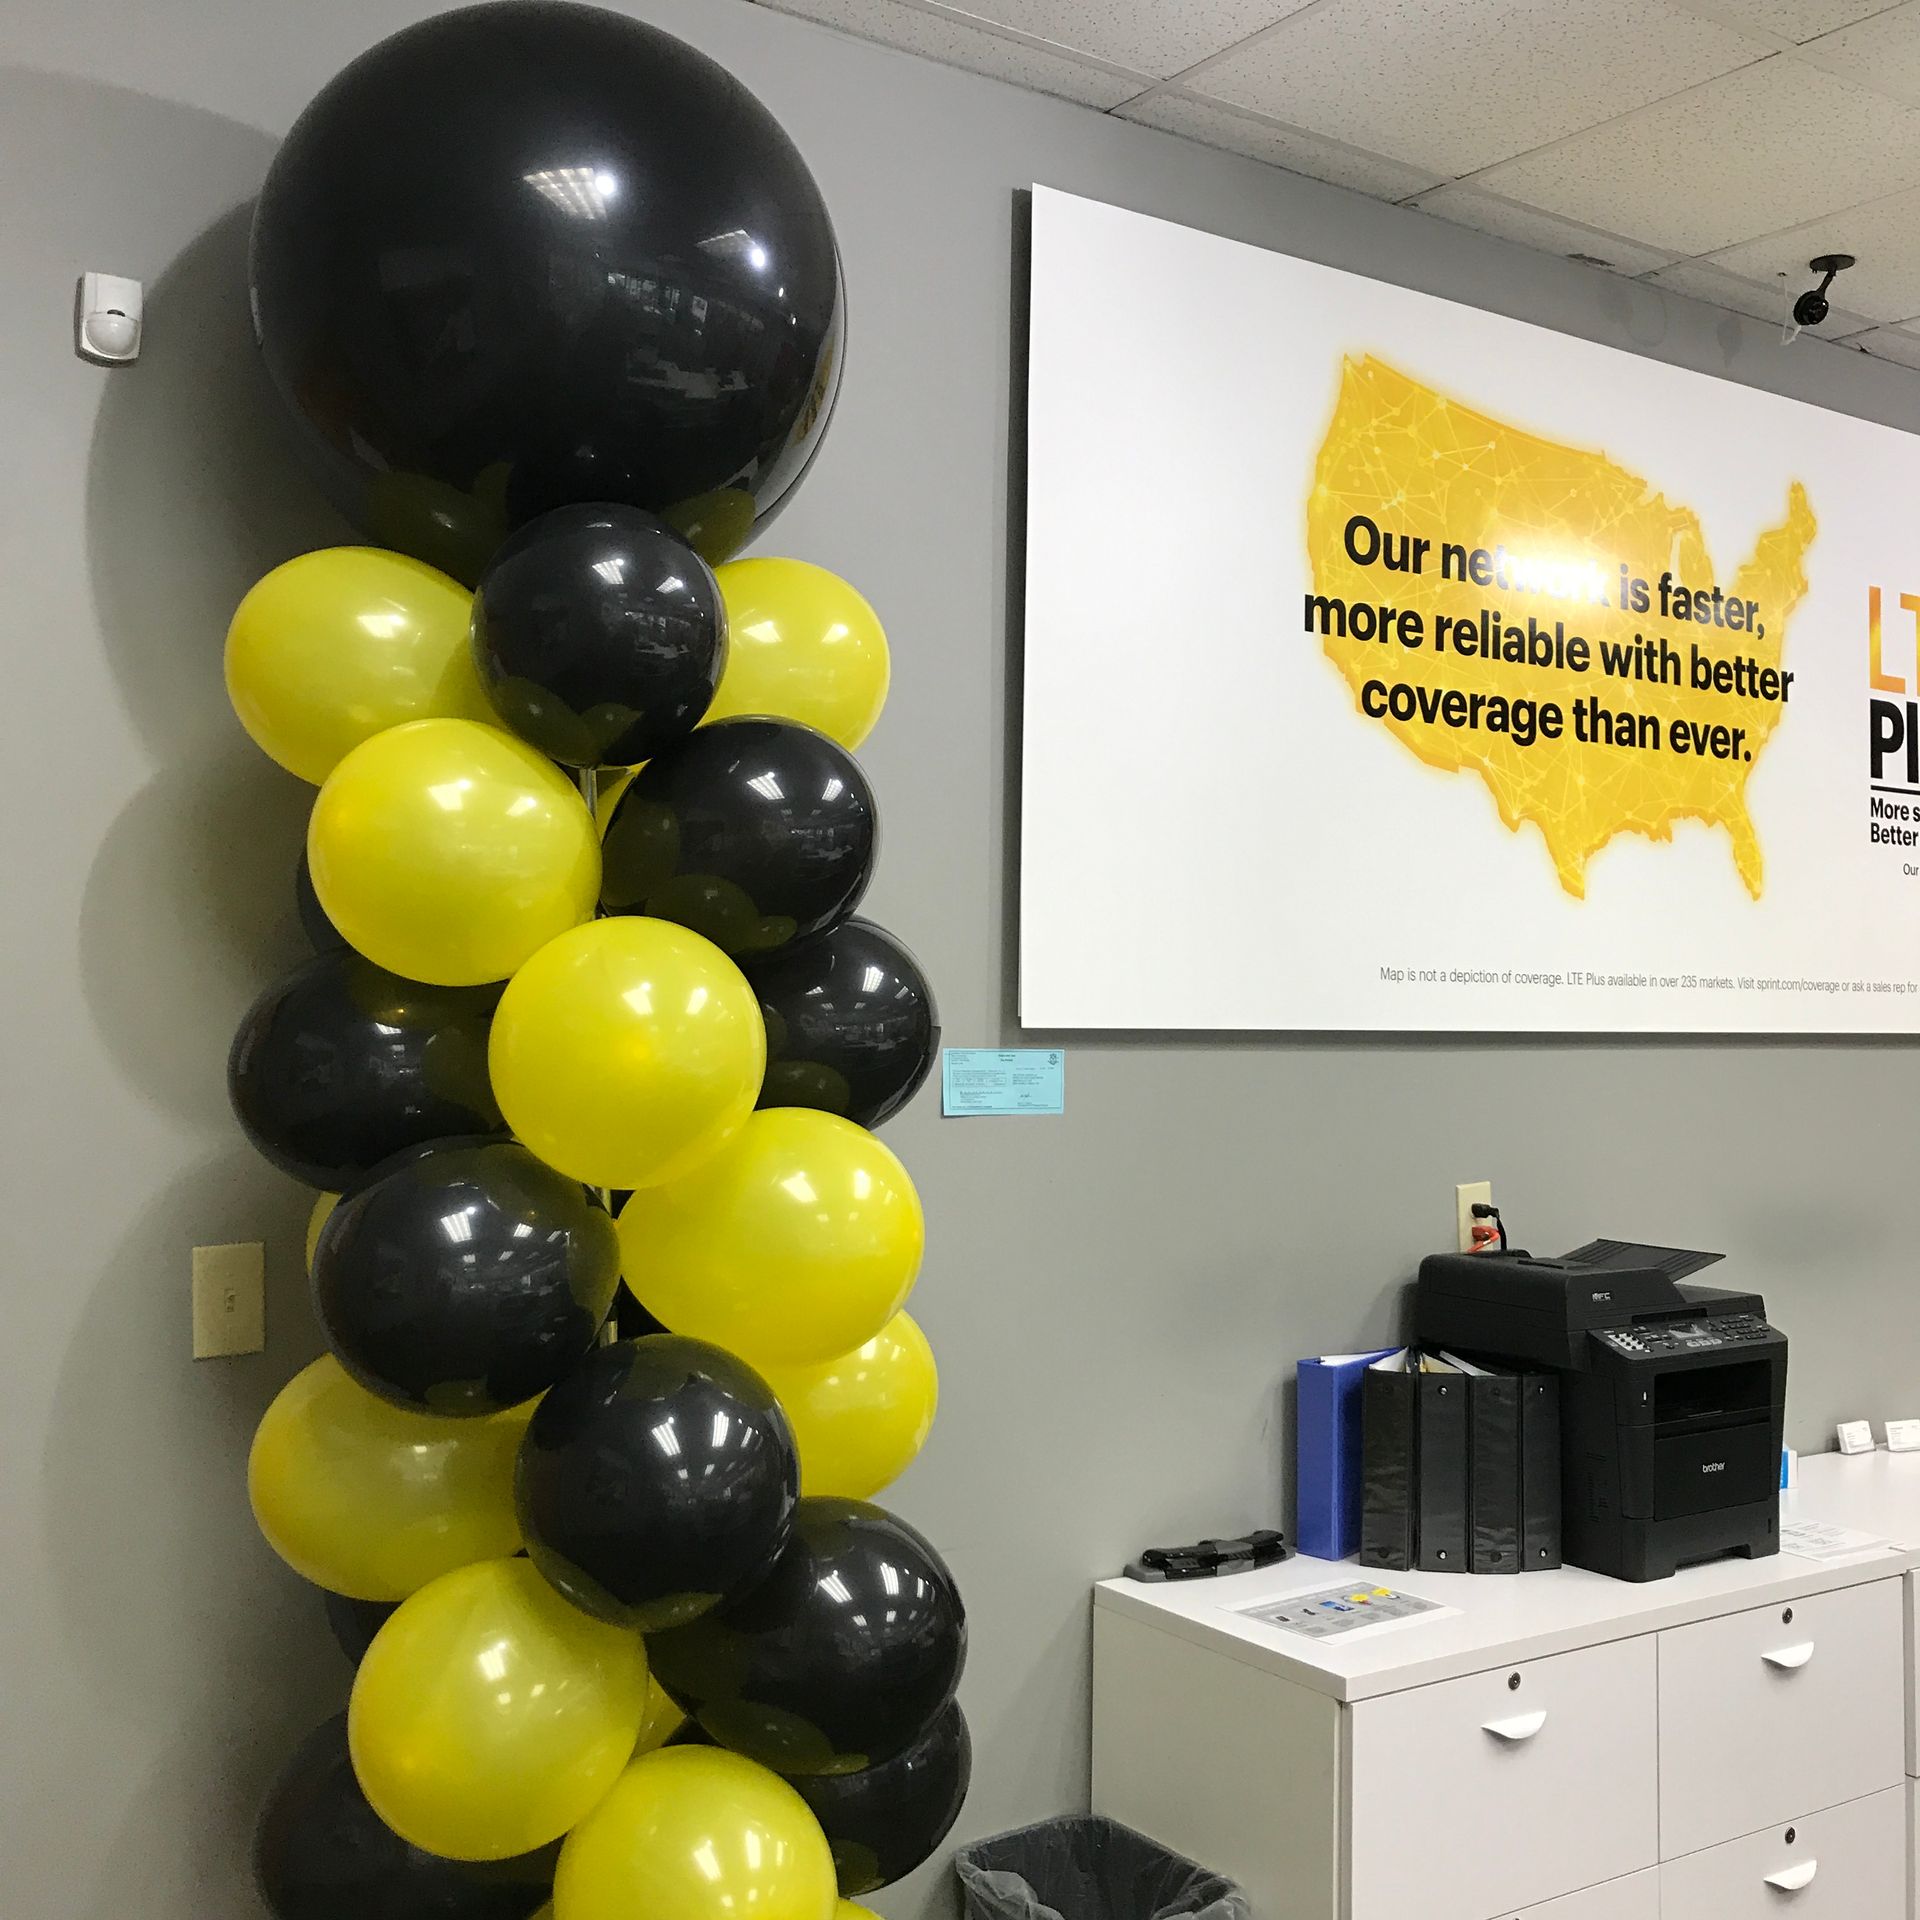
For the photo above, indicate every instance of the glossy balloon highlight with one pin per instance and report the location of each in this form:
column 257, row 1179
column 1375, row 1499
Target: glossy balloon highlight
column 884, row 1821
column 371, row 1501
column 797, row 1242
column 839, row 1659
column 805, row 646
column 489, row 1716
column 451, row 852
column 320, row 1852
column 335, row 646
column 691, row 1833
column 627, row 1051
column 622, row 281
column 859, row 1419
column 466, row 1280
column 657, row 1480
column 341, row 1064
column 755, row 833
column 599, row 635
column 851, row 1024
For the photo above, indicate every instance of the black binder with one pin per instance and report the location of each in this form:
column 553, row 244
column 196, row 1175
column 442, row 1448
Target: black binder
column 1440, row 1486
column 1387, row 1457
column 1539, row 1471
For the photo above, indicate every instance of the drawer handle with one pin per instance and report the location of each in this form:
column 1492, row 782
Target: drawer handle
column 1790, row 1659
column 1792, row 1879
column 1523, row 1726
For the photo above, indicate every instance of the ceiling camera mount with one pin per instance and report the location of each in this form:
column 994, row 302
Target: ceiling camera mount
column 1811, row 308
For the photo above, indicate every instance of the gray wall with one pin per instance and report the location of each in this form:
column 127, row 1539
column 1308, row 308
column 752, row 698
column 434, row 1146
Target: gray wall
column 1115, row 1297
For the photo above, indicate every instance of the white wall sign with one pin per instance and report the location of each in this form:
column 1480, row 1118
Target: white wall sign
column 1392, row 665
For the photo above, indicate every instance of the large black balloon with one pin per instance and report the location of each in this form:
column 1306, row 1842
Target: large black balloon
column 756, row 833
column 466, row 1279
column 883, row 1821
column 529, row 255
column 599, row 635
column 341, row 1064
column 656, row 1480
column 851, row 1024
column 320, row 1852
column 839, row 1659
column 353, row 1623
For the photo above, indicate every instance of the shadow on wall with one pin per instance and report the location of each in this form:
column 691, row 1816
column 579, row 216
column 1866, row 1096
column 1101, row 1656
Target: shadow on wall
column 189, row 904
column 191, row 1661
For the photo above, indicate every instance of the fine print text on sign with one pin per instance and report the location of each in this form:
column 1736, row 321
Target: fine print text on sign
column 1002, row 1080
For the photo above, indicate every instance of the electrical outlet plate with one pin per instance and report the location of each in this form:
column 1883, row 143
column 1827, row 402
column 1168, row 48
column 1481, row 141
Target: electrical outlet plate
column 1465, row 1198
column 229, row 1300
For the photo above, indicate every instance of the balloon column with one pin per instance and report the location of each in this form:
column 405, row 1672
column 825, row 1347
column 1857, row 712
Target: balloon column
column 557, row 309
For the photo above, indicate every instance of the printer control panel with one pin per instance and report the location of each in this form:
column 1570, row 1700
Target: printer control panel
column 1688, row 1336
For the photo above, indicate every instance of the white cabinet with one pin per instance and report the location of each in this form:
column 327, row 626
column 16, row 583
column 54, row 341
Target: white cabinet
column 1475, row 1796
column 1771, row 1712
column 1637, row 1897
column 1848, row 1863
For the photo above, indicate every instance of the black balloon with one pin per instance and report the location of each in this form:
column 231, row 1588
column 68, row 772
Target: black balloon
column 630, row 1317
column 756, row 833
column 465, row 1279
column 840, row 1659
column 355, row 1622
column 341, row 1064
column 530, row 255
column 883, row 1821
column 656, row 1480
column 320, row 1852
column 599, row 635
column 322, row 935
column 851, row 1024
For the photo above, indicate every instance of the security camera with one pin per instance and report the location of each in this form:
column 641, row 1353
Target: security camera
column 1811, row 308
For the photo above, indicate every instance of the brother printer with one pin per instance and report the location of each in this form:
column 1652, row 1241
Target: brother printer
column 1672, row 1396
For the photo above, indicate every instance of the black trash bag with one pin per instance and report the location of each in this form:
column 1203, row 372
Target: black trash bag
column 1086, row 1867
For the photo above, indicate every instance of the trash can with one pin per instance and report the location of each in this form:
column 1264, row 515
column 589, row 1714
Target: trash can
column 1087, row 1867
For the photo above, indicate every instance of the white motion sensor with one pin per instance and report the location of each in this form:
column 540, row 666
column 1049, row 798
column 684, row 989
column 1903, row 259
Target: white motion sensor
column 107, row 319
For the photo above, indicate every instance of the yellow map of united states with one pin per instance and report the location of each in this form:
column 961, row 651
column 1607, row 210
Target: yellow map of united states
column 1560, row 524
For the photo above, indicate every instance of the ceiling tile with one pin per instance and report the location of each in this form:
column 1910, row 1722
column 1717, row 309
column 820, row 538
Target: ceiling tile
column 1455, row 84
column 1884, row 284
column 954, row 42
column 1794, row 20
column 1699, row 281
column 1149, row 36
column 1770, row 146
column 1883, row 53
column 1890, row 343
column 1546, row 232
column 1217, row 126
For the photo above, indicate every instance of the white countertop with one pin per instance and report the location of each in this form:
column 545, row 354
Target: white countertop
column 1525, row 1616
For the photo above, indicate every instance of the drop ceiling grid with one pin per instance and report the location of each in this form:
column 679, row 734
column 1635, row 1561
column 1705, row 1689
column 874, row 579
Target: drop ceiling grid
column 1794, row 123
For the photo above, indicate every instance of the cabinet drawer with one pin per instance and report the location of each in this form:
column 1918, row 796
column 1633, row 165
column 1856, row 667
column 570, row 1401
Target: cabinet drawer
column 1767, row 1713
column 1637, row 1897
column 1492, row 1793
column 1848, row 1863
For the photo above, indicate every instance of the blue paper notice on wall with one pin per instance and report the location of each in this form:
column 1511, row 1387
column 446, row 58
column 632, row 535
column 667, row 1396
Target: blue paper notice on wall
column 993, row 1080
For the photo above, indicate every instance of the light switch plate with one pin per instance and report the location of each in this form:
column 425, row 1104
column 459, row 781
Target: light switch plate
column 229, row 1300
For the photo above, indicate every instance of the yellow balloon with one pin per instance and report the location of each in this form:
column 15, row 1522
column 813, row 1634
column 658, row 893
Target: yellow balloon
column 612, row 783
column 456, row 531
column 662, row 1720
column 697, row 1833
column 452, row 853
column 489, row 1716
column 372, row 1500
column 316, row 1220
column 797, row 1242
column 627, row 1051
column 801, row 645
column 858, row 1420
column 339, row 645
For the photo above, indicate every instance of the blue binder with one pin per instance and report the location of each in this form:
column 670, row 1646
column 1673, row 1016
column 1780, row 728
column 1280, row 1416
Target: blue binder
column 1326, row 1453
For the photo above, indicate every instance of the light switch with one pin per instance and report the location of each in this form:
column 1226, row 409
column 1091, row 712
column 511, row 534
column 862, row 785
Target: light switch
column 229, row 1300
